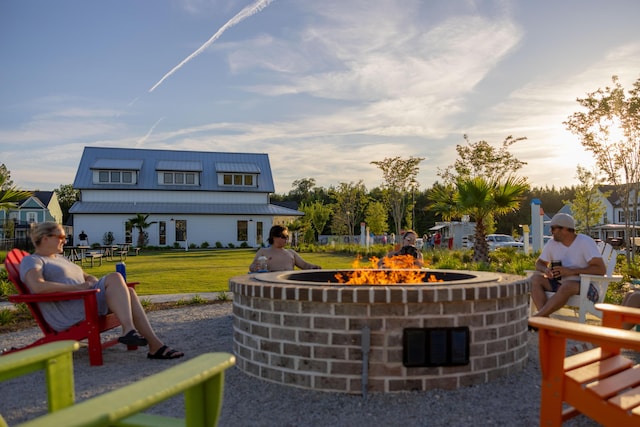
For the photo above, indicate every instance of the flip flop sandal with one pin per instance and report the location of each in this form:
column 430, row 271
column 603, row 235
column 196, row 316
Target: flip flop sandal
column 133, row 338
column 165, row 352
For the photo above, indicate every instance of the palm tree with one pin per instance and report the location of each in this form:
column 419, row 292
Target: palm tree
column 482, row 199
column 10, row 196
column 140, row 222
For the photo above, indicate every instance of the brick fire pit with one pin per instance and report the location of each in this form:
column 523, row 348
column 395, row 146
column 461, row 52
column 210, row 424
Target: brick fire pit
column 296, row 329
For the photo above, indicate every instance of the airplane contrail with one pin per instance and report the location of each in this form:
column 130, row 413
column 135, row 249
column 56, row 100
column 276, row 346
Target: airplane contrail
column 144, row 138
column 244, row 13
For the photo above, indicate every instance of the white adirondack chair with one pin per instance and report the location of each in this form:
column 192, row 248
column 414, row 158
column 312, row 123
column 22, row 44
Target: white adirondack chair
column 580, row 302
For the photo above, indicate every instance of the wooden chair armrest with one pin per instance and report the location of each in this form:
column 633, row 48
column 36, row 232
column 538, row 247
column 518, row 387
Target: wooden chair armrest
column 52, row 296
column 201, row 379
column 598, row 335
column 132, row 284
column 599, row 278
column 614, row 316
column 55, row 359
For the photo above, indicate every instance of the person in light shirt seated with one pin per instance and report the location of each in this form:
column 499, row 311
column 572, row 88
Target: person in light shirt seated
column 279, row 258
column 577, row 253
column 47, row 270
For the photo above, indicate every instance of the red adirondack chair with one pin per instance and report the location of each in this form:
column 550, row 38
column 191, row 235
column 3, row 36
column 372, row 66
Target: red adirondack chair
column 90, row 328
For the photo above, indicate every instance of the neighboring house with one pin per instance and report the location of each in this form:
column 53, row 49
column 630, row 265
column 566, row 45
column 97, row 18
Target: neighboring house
column 41, row 206
column 613, row 223
column 191, row 197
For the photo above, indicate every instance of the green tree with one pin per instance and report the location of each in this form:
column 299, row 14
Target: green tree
column 140, row 223
column 317, row 215
column 481, row 159
column 67, row 196
column 399, row 181
column 10, row 195
column 587, row 206
column 609, row 127
column 349, row 202
column 481, row 199
column 6, row 174
column 375, row 215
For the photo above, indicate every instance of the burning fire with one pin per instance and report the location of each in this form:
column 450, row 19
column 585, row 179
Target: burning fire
column 397, row 269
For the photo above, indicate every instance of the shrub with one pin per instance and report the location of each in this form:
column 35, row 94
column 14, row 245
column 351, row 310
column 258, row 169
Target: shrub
column 197, row 299
column 7, row 316
column 244, row 245
column 6, row 287
column 108, row 238
column 193, row 246
column 224, row 296
column 204, row 245
column 219, row 245
column 231, row 245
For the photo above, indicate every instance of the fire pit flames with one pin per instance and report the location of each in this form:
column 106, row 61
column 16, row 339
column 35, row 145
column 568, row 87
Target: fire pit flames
column 399, row 270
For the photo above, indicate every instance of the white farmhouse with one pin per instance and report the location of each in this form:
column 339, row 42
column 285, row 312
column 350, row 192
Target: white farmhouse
column 191, row 197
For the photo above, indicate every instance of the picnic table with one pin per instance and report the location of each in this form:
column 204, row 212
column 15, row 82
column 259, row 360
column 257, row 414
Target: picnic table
column 76, row 253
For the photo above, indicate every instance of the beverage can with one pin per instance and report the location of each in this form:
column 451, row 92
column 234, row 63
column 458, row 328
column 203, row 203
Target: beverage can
column 262, row 264
column 122, row 269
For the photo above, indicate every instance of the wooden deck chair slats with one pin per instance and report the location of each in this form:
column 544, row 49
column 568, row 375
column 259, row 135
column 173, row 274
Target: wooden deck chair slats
column 600, row 383
column 89, row 329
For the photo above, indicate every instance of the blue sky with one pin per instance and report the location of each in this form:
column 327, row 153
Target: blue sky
column 323, row 87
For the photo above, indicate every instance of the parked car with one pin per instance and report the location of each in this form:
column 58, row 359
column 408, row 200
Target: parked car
column 503, row 241
column 545, row 239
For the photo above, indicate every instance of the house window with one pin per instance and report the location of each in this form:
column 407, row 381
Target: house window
column 243, row 231
column 31, row 217
column 238, row 180
column 178, row 178
column 113, row 177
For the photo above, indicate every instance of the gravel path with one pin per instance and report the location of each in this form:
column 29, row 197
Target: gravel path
column 510, row 401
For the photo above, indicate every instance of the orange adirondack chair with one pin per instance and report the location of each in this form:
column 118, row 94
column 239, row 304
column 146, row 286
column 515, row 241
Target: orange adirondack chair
column 90, row 328
column 600, row 383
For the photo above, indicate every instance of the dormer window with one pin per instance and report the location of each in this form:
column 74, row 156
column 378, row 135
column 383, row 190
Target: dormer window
column 238, row 179
column 116, row 171
column 237, row 174
column 178, row 172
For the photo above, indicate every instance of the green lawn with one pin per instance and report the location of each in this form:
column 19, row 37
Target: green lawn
column 197, row 271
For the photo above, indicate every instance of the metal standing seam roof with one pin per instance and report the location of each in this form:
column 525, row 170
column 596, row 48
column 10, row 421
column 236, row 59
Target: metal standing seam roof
column 181, row 208
column 147, row 163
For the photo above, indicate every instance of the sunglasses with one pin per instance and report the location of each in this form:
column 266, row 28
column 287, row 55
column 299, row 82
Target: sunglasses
column 283, row 236
column 59, row 236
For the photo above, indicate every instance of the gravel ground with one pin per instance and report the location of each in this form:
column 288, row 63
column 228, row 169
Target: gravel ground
column 510, row 401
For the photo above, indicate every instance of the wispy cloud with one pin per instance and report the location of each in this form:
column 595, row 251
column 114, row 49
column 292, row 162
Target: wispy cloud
column 242, row 15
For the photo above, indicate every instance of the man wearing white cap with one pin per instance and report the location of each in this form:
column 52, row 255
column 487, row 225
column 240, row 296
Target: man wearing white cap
column 572, row 254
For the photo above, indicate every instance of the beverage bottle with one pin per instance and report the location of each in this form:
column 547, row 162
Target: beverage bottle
column 554, row 264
